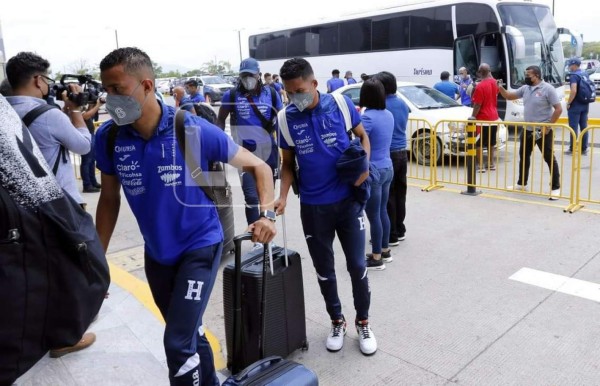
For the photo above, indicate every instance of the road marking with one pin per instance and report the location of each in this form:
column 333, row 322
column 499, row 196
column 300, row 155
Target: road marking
column 141, row 291
column 563, row 284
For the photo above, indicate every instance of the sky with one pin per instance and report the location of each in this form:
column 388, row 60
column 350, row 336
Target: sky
column 184, row 34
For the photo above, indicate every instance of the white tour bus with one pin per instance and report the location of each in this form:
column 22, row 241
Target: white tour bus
column 417, row 42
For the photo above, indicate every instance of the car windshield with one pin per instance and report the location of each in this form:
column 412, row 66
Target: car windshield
column 213, row 80
column 427, row 98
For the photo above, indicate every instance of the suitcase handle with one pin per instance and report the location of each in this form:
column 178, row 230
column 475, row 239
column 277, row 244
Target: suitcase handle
column 256, row 367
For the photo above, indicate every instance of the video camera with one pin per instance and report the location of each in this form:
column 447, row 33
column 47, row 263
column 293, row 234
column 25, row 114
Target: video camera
column 91, row 89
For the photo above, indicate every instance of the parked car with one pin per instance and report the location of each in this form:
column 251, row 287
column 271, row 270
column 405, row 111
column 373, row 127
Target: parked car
column 595, row 77
column 163, row 87
column 212, row 87
column 432, row 106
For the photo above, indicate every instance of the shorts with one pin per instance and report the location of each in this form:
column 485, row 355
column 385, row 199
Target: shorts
column 487, row 135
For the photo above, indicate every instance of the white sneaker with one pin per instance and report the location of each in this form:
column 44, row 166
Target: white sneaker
column 366, row 338
column 335, row 339
column 522, row 188
column 554, row 195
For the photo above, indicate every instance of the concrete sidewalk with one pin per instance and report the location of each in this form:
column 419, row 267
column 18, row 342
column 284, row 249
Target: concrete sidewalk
column 445, row 311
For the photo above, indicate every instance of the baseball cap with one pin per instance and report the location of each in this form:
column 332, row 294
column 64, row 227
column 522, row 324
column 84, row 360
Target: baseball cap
column 249, row 65
column 573, row 61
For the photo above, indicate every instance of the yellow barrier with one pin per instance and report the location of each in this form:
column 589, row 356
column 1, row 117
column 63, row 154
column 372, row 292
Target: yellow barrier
column 501, row 170
column 585, row 187
column 422, row 149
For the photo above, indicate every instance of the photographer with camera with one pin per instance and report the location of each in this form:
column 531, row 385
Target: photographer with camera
column 55, row 133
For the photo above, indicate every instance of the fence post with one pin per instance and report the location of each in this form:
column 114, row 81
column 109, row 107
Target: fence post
column 471, row 161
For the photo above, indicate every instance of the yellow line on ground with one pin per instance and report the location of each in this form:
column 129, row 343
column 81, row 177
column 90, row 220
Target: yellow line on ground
column 141, row 291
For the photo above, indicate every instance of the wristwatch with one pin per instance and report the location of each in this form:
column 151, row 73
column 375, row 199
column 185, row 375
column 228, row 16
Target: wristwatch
column 269, row 214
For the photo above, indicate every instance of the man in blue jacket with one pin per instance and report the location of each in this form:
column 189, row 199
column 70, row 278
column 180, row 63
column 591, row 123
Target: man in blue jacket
column 318, row 131
column 447, row 87
column 252, row 108
column 180, row 225
column 576, row 110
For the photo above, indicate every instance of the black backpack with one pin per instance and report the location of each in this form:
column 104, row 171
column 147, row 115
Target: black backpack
column 53, row 270
column 586, row 89
column 31, row 116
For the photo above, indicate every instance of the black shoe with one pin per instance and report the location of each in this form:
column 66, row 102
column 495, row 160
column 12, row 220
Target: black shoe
column 584, row 152
column 97, row 185
column 91, row 189
column 386, row 257
column 376, row 265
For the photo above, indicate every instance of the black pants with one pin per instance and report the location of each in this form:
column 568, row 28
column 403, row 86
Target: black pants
column 525, row 150
column 396, row 205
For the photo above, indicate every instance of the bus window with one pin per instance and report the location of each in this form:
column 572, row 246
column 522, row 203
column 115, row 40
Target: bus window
column 465, row 54
column 475, row 19
column 355, row 36
column 390, row 32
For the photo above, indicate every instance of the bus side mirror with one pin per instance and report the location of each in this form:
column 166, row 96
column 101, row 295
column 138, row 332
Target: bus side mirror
column 576, row 39
column 517, row 40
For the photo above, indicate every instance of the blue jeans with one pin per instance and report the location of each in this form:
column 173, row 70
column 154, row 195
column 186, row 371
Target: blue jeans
column 377, row 210
column 181, row 292
column 578, row 120
column 320, row 224
column 88, row 167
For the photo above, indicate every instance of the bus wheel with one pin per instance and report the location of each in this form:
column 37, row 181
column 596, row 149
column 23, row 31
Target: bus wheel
column 422, row 148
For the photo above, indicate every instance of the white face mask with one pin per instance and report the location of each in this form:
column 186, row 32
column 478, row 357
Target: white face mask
column 249, row 83
column 302, row 100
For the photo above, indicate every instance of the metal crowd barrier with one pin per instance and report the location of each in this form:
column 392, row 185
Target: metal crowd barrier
column 449, row 149
column 587, row 183
column 422, row 149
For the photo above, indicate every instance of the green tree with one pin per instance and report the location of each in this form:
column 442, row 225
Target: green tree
column 158, row 71
column 214, row 67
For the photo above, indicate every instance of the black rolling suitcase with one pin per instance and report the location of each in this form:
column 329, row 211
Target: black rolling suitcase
column 274, row 321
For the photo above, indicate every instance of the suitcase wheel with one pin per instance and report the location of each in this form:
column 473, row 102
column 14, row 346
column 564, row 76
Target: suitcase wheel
column 304, row 346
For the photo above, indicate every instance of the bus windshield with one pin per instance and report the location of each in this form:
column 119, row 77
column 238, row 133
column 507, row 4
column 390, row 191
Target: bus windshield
column 542, row 44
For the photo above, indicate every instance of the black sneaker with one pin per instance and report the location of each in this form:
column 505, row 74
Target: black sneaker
column 394, row 241
column 91, row 189
column 376, row 265
column 386, row 257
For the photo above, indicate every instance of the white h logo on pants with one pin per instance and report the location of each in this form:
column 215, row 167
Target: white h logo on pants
column 194, row 287
column 361, row 221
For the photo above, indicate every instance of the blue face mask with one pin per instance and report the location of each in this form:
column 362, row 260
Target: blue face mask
column 302, row 100
column 124, row 109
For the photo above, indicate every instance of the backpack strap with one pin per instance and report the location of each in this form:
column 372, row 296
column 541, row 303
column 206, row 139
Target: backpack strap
column 36, row 112
column 343, row 106
column 283, row 127
column 26, row 149
column 196, row 173
column 111, row 140
column 30, row 117
column 232, row 114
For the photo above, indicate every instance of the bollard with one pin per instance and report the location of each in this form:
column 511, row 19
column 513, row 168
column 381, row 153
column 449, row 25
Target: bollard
column 471, row 160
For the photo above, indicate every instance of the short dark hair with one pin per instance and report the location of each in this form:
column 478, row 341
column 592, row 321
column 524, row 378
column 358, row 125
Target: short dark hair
column 445, row 75
column 133, row 60
column 266, row 74
column 5, row 88
column 335, row 72
column 191, row 82
column 536, row 71
column 21, row 67
column 389, row 82
column 372, row 95
column 296, row 68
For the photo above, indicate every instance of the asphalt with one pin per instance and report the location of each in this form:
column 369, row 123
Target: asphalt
column 445, row 311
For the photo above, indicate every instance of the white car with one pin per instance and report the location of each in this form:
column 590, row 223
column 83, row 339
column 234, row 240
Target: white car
column 163, row 87
column 595, row 77
column 432, row 106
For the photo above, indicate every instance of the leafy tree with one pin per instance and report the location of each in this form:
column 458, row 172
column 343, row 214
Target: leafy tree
column 157, row 70
column 214, row 67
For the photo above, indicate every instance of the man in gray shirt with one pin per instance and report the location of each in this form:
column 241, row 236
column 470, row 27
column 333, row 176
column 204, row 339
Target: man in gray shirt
column 541, row 104
column 27, row 73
